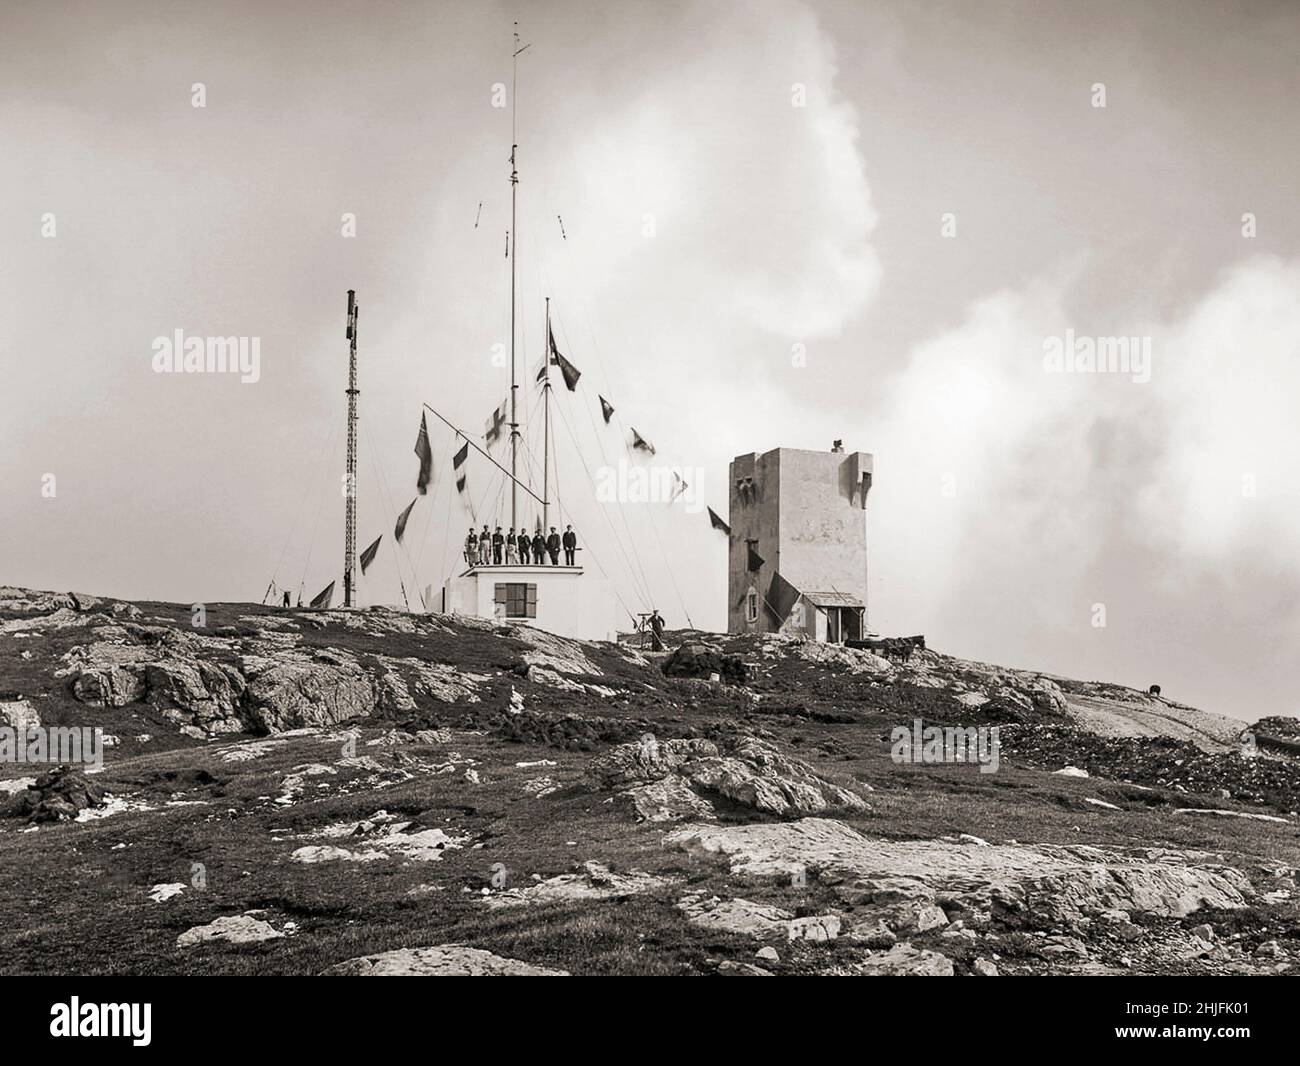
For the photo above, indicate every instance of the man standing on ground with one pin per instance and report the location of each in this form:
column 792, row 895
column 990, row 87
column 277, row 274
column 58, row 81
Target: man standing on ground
column 570, row 546
column 656, row 632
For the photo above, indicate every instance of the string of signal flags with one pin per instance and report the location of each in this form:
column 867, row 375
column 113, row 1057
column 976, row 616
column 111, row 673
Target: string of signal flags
column 494, row 430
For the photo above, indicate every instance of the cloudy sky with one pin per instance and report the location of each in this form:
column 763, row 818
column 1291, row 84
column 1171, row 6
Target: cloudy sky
column 783, row 222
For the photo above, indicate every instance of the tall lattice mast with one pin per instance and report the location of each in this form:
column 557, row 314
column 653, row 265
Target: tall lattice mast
column 350, row 521
column 514, row 244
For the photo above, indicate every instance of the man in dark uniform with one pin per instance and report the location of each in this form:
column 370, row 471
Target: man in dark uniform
column 570, row 546
column 539, row 549
column 525, row 546
column 553, row 547
column 498, row 546
column 286, row 598
column 656, row 632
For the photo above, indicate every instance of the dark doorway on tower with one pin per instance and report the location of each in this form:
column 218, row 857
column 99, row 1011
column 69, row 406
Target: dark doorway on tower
column 843, row 623
column 839, row 616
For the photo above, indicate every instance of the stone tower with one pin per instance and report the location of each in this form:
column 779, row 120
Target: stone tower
column 798, row 543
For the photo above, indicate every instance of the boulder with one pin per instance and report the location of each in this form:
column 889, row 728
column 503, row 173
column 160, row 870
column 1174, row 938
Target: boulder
column 57, row 796
column 19, row 715
column 669, row 800
column 644, row 760
column 293, row 691
column 739, row 916
column 697, row 659
column 235, row 929
column 817, row 927
column 594, row 882
column 208, row 693
column 758, row 776
column 853, row 660
column 904, row 960
column 751, row 773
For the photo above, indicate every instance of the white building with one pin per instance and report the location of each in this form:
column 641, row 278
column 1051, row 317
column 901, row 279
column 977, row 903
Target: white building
column 559, row 599
column 798, row 551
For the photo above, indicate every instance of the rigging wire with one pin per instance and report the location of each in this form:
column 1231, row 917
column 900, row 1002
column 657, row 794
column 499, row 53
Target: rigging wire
column 600, row 443
column 582, row 459
column 654, row 528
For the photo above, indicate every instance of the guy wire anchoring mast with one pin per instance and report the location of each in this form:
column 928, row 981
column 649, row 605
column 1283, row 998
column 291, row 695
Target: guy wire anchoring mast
column 350, row 521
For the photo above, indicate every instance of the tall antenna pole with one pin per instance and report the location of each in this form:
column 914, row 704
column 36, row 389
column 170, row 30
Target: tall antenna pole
column 546, row 421
column 350, row 521
column 514, row 244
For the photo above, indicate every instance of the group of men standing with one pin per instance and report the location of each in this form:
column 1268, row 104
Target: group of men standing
column 493, row 549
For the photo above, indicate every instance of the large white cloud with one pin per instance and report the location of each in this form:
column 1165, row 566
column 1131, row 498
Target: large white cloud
column 1009, row 500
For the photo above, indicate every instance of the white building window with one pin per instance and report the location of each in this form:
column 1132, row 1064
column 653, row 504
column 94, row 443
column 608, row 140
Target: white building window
column 519, row 599
column 751, row 605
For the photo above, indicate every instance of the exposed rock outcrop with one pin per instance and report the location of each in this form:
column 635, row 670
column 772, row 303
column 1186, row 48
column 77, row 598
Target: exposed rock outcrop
column 445, row 960
column 756, row 775
column 740, row 916
column 594, row 881
column 670, row 799
column 645, row 760
column 1053, row 883
column 904, row 960
column 206, row 684
column 292, row 691
column 751, row 773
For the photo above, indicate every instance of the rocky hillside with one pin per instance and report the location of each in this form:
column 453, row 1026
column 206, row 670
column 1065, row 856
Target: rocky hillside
column 374, row 792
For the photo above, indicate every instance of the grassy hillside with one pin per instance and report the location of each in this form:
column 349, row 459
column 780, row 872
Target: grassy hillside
column 501, row 770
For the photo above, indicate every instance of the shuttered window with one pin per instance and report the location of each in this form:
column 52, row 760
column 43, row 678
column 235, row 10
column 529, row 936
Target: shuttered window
column 520, row 599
